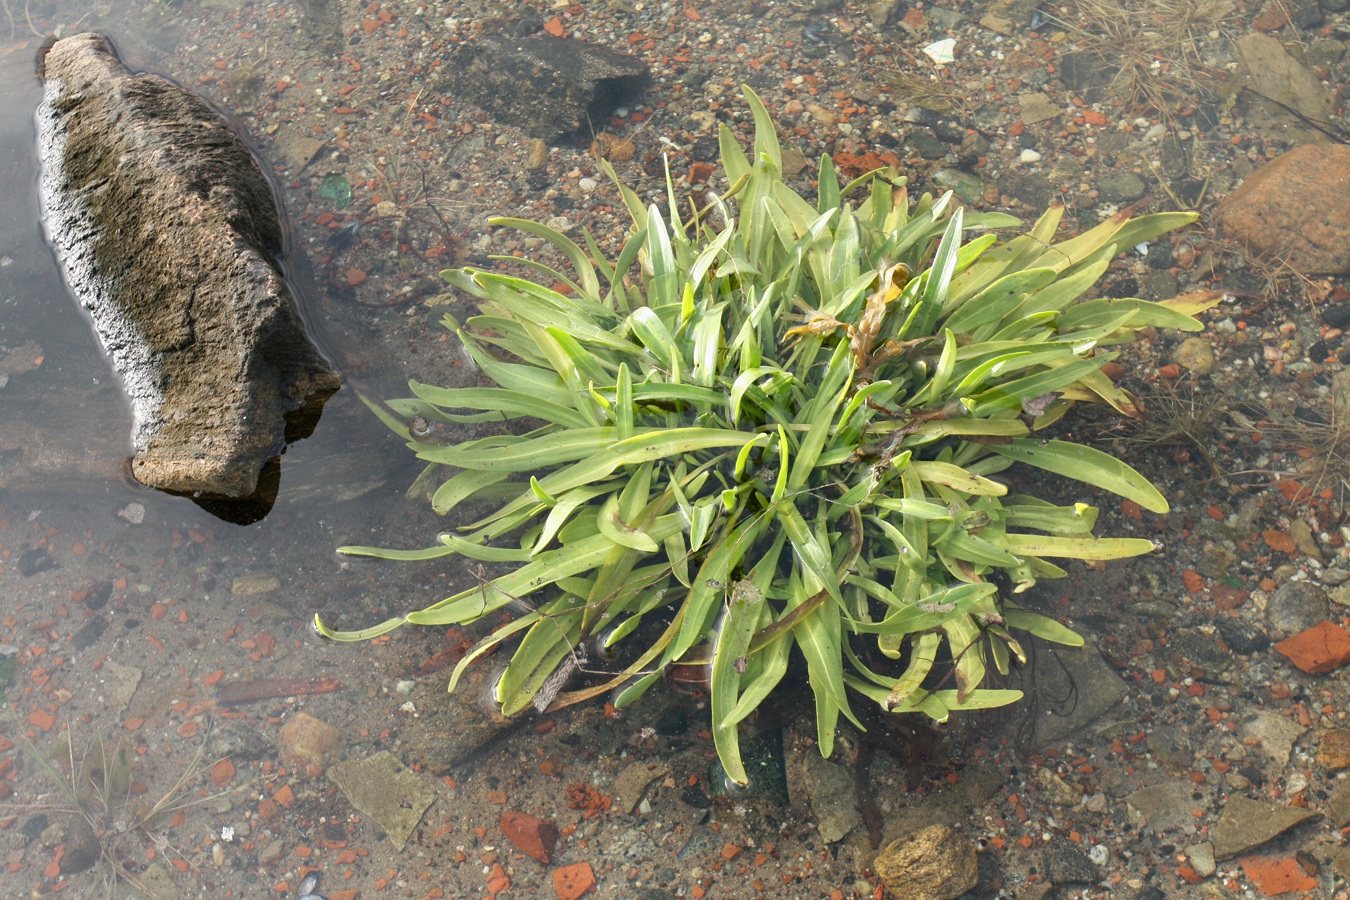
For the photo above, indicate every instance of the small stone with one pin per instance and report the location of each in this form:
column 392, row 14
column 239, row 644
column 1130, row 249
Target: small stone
column 937, row 863
column 588, row 184
column 306, row 743
column 1029, row 156
column 387, row 792
column 531, row 835
column 1037, row 107
column 1120, row 187
column 1066, row 863
column 405, row 686
column 794, row 161
column 255, row 585
column 879, row 12
column 612, row 147
column 133, row 513
column 1295, row 607
column 822, row 115
column 537, row 160
column 1201, row 857
column 1195, row 354
column 1338, row 805
column 1323, row 648
column 1163, row 807
column 1055, row 790
column 1274, row 734
column 35, row 560
column 1242, row 636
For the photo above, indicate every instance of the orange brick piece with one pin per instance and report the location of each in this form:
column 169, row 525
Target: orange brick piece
column 1323, row 648
column 570, row 882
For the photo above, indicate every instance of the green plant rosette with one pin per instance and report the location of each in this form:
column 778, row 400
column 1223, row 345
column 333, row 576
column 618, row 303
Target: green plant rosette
column 770, row 424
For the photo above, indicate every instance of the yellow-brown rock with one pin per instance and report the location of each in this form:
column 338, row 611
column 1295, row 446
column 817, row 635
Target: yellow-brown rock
column 937, row 863
column 308, row 743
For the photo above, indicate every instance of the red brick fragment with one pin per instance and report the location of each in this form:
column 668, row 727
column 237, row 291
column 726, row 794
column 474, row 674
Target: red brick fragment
column 532, row 836
column 1323, row 648
column 570, row 882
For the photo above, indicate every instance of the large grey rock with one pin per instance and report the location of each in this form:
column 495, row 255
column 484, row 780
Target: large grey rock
column 546, row 86
column 168, row 233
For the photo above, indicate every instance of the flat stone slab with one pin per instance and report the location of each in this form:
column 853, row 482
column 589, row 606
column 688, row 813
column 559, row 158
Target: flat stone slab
column 387, row 791
column 1245, row 824
column 167, row 232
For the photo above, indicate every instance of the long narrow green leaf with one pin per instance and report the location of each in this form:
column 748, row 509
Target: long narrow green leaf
column 1088, row 465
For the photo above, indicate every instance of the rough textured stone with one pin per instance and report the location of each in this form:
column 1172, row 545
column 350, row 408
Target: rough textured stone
column 1195, row 354
column 1338, row 805
column 1297, row 208
column 548, row 87
column 168, row 234
column 937, row 863
column 1333, row 749
column 1066, row 863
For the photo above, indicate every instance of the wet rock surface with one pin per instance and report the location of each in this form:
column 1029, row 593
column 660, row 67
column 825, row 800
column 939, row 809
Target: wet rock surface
column 549, row 87
column 169, row 236
column 937, row 863
column 1295, row 208
column 1245, row 824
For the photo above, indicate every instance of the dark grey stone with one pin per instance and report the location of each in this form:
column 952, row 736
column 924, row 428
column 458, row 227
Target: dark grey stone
column 1242, row 636
column 1296, row 606
column 926, row 144
column 1085, row 73
column 1067, row 864
column 1120, row 187
column 1035, row 191
column 1198, row 650
column 168, row 233
column 1337, row 315
column 548, row 87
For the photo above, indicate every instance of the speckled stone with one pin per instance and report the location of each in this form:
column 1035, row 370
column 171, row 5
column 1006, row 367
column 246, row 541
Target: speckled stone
column 937, row 863
column 1196, row 355
column 1295, row 607
column 1120, row 187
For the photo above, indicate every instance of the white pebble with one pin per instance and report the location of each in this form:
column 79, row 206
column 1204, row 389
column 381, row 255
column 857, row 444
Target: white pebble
column 1099, row 855
column 588, row 184
column 133, row 513
column 405, row 686
column 1030, row 156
